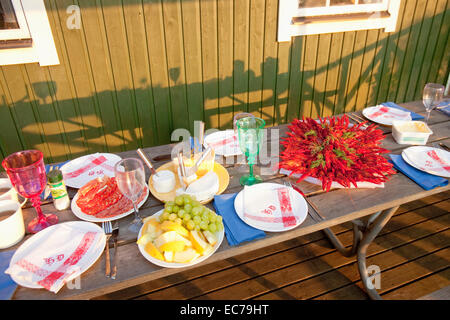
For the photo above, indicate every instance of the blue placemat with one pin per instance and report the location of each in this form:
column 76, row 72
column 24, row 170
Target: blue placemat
column 7, row 285
column 236, row 230
column 444, row 107
column 414, row 116
column 423, row 179
column 47, row 169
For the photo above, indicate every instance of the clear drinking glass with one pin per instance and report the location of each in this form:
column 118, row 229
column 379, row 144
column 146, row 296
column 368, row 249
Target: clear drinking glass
column 238, row 116
column 130, row 177
column 26, row 170
column 250, row 132
column 433, row 94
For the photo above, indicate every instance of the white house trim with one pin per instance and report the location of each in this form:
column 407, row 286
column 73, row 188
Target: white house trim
column 43, row 49
column 384, row 16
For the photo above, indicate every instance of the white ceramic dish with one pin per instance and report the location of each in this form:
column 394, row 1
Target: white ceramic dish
column 385, row 115
column 94, row 253
column 86, row 217
column 299, row 207
column 91, row 172
column 411, row 132
column 219, row 234
column 224, row 143
column 431, row 160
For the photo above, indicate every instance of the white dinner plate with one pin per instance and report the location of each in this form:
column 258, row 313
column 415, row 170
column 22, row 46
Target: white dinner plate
column 224, row 143
column 86, row 217
column 431, row 160
column 88, row 260
column 385, row 115
column 258, row 197
column 219, row 235
column 89, row 170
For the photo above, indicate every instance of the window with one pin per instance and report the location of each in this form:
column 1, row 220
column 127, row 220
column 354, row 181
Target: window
column 25, row 34
column 303, row 17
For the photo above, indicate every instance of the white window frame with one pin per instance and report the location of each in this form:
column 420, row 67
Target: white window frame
column 288, row 9
column 43, row 48
column 22, row 32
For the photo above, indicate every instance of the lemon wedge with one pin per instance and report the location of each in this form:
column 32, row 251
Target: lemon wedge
column 174, row 246
column 173, row 226
column 169, row 236
column 144, row 239
column 153, row 251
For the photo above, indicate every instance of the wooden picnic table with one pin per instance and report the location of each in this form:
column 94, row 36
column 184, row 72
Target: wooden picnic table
column 337, row 206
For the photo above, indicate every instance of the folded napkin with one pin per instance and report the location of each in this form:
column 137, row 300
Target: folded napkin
column 270, row 208
column 7, row 285
column 47, row 169
column 236, row 230
column 414, row 116
column 423, row 179
column 444, row 107
column 52, row 261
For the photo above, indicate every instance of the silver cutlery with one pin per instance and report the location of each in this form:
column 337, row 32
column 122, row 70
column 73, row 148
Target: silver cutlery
column 357, row 119
column 107, row 228
column 115, row 233
column 146, row 160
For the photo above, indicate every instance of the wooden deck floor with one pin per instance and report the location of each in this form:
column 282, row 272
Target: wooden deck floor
column 412, row 252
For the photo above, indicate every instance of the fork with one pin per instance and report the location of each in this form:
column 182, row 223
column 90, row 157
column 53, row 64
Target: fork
column 115, row 233
column 108, row 231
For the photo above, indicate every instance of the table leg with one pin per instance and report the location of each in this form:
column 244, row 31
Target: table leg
column 363, row 235
column 346, row 252
column 370, row 234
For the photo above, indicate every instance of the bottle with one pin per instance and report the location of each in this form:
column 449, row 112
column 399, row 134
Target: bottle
column 61, row 199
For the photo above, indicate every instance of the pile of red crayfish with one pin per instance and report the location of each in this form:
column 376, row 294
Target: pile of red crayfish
column 331, row 149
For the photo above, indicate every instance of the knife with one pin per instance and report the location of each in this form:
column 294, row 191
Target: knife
column 114, row 235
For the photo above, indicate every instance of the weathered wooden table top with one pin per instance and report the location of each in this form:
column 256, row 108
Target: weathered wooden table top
column 337, row 206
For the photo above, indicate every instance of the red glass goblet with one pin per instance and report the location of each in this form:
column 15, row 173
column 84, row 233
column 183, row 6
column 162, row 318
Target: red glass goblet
column 26, row 171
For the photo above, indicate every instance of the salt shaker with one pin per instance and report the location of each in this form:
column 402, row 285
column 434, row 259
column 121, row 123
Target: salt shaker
column 61, row 199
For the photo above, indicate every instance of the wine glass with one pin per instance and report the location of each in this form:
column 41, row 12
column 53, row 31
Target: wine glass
column 130, row 177
column 26, row 171
column 238, row 116
column 432, row 96
column 250, row 132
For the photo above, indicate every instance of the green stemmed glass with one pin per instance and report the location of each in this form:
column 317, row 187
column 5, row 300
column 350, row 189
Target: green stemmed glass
column 250, row 133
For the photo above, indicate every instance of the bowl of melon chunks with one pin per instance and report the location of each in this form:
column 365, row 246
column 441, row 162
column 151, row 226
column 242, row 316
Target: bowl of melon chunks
column 184, row 233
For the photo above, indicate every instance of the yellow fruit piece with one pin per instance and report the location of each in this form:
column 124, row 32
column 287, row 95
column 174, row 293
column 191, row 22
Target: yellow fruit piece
column 210, row 237
column 185, row 256
column 174, row 246
column 153, row 251
column 209, row 249
column 168, row 255
column 198, row 241
column 173, row 226
column 169, row 236
column 144, row 239
column 152, row 226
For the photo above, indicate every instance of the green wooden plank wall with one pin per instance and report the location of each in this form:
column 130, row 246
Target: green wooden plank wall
column 138, row 69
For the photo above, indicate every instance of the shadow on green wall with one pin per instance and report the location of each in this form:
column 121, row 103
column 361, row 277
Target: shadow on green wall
column 86, row 137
